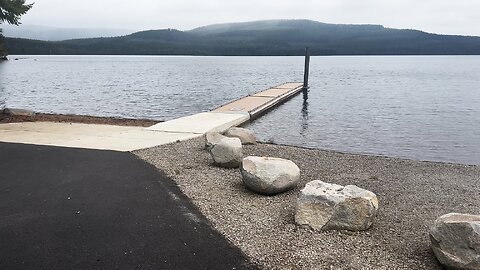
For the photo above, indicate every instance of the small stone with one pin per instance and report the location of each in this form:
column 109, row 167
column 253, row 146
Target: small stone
column 455, row 241
column 227, row 152
column 325, row 206
column 246, row 136
column 267, row 175
column 211, row 139
column 18, row 112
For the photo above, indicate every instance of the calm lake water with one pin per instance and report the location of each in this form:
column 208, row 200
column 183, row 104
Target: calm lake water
column 425, row 108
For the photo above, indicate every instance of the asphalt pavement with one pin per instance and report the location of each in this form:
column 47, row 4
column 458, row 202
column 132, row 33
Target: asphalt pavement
column 66, row 208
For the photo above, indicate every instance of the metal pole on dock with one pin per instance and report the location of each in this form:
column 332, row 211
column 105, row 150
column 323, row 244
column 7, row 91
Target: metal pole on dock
column 307, row 68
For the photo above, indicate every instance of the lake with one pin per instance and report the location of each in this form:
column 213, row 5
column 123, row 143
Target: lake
column 417, row 107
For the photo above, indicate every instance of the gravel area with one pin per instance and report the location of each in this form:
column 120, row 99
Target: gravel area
column 412, row 194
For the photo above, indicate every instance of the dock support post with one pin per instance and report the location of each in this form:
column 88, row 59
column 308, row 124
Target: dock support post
column 307, row 68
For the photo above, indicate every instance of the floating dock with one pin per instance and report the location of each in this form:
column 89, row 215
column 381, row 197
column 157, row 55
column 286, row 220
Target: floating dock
column 259, row 103
column 119, row 138
column 233, row 113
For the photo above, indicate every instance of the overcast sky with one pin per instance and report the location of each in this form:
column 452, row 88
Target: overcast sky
column 437, row 16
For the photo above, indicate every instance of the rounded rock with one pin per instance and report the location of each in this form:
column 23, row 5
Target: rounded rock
column 325, row 206
column 455, row 241
column 212, row 138
column 246, row 136
column 267, row 175
column 227, row 152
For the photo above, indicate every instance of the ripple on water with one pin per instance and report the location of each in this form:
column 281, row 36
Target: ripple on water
column 425, row 108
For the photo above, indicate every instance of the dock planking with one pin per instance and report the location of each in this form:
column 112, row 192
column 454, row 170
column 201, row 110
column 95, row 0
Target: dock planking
column 259, row 103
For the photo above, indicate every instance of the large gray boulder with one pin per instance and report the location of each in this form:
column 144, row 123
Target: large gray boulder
column 212, row 138
column 267, row 175
column 325, row 206
column 245, row 135
column 455, row 240
column 227, row 152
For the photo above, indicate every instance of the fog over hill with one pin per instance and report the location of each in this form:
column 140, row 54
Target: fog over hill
column 272, row 37
column 49, row 33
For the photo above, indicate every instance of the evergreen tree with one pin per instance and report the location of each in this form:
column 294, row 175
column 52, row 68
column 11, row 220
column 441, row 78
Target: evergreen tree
column 10, row 12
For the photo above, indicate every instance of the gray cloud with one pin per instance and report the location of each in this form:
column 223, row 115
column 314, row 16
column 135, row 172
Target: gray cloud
column 438, row 16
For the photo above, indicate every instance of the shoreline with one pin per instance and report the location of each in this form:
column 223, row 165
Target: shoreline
column 72, row 118
column 412, row 195
column 366, row 154
column 119, row 121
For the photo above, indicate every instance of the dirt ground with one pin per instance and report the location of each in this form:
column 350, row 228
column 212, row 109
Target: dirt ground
column 84, row 119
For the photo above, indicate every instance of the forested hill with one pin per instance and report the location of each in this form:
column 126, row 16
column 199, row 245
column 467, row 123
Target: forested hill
column 276, row 37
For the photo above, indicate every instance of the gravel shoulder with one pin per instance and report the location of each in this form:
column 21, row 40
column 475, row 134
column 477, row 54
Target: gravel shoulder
column 412, row 194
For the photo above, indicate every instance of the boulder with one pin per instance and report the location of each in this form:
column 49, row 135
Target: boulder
column 267, row 175
column 227, row 152
column 212, row 138
column 18, row 112
column 245, row 135
column 455, row 240
column 324, row 206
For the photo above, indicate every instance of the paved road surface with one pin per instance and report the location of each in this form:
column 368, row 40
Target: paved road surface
column 64, row 208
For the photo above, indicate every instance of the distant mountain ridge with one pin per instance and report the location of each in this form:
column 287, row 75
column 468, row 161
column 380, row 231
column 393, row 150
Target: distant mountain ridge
column 272, row 37
column 48, row 33
column 271, row 25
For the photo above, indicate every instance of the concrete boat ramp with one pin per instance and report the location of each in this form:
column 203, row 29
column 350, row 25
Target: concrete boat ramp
column 121, row 138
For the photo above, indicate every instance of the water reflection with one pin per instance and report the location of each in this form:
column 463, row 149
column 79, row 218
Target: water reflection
column 304, row 124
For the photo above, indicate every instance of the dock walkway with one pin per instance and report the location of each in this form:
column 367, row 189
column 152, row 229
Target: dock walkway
column 120, row 138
